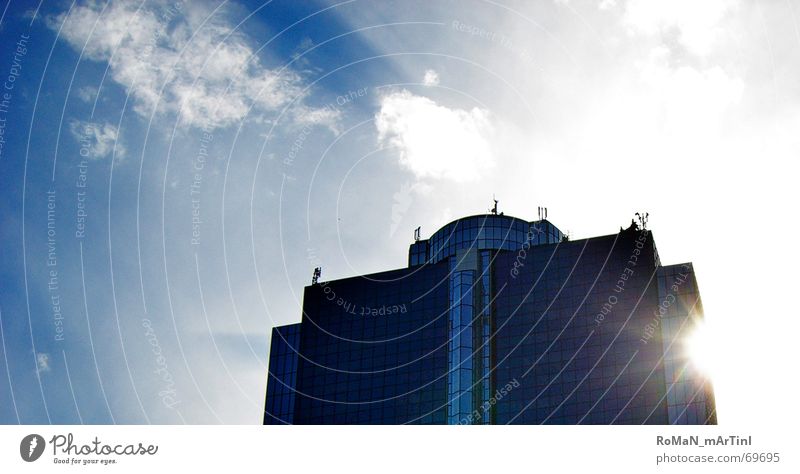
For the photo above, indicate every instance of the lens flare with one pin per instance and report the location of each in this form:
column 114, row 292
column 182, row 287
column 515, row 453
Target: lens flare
column 700, row 349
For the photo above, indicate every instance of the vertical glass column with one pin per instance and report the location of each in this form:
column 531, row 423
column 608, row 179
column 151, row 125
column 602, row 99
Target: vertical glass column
column 282, row 380
column 687, row 388
column 483, row 342
column 460, row 346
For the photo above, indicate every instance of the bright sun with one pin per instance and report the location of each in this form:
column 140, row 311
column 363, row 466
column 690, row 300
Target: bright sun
column 700, row 349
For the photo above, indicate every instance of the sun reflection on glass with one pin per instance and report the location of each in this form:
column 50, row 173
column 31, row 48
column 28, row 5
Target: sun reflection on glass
column 701, row 350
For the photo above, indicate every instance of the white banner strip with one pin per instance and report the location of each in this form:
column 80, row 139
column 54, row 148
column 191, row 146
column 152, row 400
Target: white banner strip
column 402, row 449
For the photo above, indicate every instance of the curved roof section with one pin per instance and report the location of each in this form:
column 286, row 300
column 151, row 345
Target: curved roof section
column 483, row 231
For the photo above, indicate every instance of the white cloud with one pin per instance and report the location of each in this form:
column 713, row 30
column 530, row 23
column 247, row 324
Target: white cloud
column 86, row 93
column 607, row 4
column 431, row 78
column 691, row 101
column 212, row 78
column 402, row 201
column 325, row 116
column 42, row 362
column 696, row 21
column 96, row 140
column 435, row 141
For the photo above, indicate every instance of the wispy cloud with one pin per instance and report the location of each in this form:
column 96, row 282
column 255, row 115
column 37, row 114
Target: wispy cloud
column 325, row 117
column 607, row 4
column 690, row 101
column 402, row 201
column 696, row 23
column 431, row 78
column 435, row 141
column 86, row 93
column 42, row 362
column 97, row 140
column 175, row 57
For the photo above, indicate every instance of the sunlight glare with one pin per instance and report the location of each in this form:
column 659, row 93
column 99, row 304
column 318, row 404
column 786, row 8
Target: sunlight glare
column 701, row 350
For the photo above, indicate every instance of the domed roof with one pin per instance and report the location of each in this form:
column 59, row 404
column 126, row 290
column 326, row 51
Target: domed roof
column 483, row 231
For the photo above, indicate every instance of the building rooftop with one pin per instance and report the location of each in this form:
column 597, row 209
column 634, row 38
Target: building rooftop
column 484, row 232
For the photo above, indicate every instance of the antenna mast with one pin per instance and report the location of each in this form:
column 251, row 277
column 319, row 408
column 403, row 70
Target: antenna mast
column 643, row 217
column 317, row 274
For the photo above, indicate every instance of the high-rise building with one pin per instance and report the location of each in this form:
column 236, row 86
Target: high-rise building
column 498, row 320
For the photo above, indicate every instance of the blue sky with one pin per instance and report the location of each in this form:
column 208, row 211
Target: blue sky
column 217, row 153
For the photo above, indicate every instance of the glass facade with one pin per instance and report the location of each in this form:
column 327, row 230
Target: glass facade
column 569, row 334
column 375, row 352
column 680, row 310
column 283, row 358
column 497, row 320
column 483, row 336
column 460, row 346
column 482, row 232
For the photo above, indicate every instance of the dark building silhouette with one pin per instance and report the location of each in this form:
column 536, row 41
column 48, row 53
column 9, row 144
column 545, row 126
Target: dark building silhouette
column 497, row 320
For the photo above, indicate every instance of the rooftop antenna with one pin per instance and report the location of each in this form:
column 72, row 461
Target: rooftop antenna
column 542, row 213
column 494, row 209
column 317, row 275
column 643, row 217
column 416, row 234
